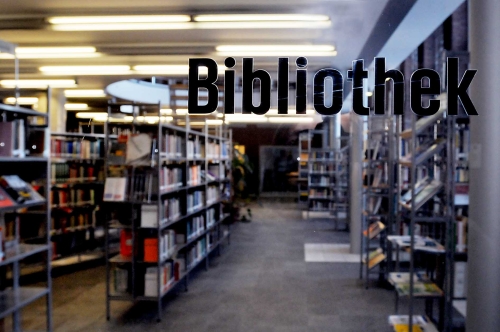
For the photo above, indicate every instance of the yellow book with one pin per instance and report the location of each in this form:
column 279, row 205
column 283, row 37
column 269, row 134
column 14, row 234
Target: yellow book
column 405, row 328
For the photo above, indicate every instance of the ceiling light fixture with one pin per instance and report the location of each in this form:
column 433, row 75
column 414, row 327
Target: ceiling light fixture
column 175, row 22
column 93, row 93
column 21, row 100
column 90, row 115
column 53, row 52
column 276, row 50
column 85, row 70
column 76, row 106
column 38, row 83
column 260, row 17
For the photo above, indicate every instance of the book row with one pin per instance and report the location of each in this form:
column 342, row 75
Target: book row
column 77, row 148
column 72, row 197
column 76, row 172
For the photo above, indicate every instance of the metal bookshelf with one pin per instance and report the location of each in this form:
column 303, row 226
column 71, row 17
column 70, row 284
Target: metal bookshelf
column 79, row 157
column 425, row 225
column 327, row 179
column 193, row 244
column 303, row 178
column 378, row 215
column 23, row 252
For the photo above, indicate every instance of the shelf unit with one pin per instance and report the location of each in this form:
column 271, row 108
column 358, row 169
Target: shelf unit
column 327, row 179
column 378, row 215
column 21, row 247
column 303, row 178
column 178, row 222
column 77, row 184
column 425, row 222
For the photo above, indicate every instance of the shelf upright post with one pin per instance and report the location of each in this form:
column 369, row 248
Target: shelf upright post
column 159, row 210
column 47, row 230
column 413, row 174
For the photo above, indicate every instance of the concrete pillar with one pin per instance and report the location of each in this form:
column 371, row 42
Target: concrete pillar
column 356, row 181
column 483, row 286
column 57, row 111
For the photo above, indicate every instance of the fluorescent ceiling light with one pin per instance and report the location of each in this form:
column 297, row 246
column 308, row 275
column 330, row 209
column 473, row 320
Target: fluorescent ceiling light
column 264, row 25
column 94, row 93
column 76, row 106
column 167, row 111
column 118, row 19
column 85, row 70
column 260, row 17
column 21, row 100
column 181, row 111
column 287, row 119
column 90, row 115
column 170, row 70
column 270, row 48
column 369, row 93
column 278, row 53
column 53, row 52
column 38, row 83
column 175, row 22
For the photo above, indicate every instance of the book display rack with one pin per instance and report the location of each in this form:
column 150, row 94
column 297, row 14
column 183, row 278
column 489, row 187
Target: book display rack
column 425, row 222
column 77, row 186
column 379, row 212
column 24, row 209
column 163, row 200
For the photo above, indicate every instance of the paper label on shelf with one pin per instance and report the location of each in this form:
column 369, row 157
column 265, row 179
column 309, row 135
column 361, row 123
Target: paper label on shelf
column 475, row 155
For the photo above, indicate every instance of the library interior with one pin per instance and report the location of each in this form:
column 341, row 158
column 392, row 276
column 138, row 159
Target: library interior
column 268, row 188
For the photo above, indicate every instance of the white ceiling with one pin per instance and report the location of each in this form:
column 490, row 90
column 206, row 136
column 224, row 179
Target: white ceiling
column 352, row 24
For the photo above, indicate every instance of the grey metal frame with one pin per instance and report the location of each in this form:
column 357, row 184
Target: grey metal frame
column 221, row 135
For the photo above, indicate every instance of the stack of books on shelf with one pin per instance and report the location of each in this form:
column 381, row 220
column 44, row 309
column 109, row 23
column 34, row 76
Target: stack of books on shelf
column 421, row 243
column 320, row 181
column 461, row 234
column 168, row 273
column 167, row 247
column 375, row 257
column 374, row 229
column 63, row 197
column 320, row 193
column 76, row 148
column 170, row 178
column 212, row 194
column 208, row 177
column 425, row 189
column 197, row 252
column 213, row 150
column 194, row 148
column 224, row 150
column 174, row 146
column 195, row 227
column 138, row 187
column 12, row 139
column 195, row 201
column 210, row 217
column 63, row 172
column 171, row 209
column 194, row 175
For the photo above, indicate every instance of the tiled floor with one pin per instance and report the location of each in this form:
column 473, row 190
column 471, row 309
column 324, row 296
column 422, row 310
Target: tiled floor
column 262, row 282
column 329, row 253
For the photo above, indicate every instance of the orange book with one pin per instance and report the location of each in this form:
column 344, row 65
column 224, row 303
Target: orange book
column 151, row 250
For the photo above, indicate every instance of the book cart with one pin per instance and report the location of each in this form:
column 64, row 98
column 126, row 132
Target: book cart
column 163, row 199
column 425, row 222
column 378, row 215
